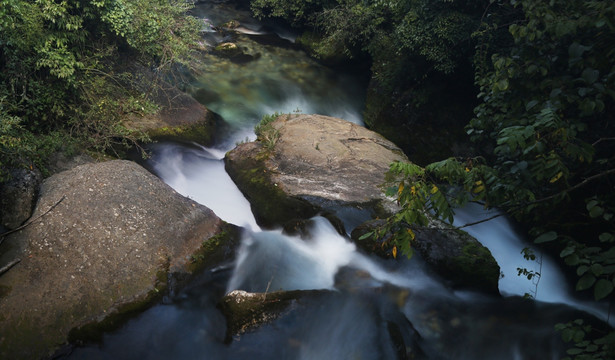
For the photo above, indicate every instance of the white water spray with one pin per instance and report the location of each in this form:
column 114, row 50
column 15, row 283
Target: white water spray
column 198, row 173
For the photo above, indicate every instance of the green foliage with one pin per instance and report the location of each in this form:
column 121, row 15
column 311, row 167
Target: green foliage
column 587, row 346
column 404, row 38
column 418, row 197
column 297, row 12
column 265, row 132
column 60, row 68
column 157, row 28
column 543, row 112
column 546, row 132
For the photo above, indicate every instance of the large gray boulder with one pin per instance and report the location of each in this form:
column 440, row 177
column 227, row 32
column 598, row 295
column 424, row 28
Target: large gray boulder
column 317, row 162
column 104, row 250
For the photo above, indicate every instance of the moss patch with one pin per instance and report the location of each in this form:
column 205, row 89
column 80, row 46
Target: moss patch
column 201, row 133
column 217, row 249
column 94, row 330
column 270, row 205
column 478, row 261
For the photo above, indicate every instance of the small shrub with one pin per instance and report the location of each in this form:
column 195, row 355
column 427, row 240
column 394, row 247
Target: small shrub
column 265, row 132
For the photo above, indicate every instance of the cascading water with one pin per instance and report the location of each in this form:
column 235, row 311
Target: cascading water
column 198, row 173
column 506, row 246
column 371, row 305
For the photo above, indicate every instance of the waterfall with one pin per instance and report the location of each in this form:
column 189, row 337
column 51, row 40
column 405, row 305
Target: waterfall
column 198, row 173
column 506, row 246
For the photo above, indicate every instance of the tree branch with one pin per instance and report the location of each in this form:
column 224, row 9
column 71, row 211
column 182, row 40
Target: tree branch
column 479, row 221
column 8, row 266
column 582, row 183
column 602, row 139
column 31, row 221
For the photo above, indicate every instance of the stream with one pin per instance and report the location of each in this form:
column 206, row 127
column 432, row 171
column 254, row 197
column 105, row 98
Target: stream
column 377, row 304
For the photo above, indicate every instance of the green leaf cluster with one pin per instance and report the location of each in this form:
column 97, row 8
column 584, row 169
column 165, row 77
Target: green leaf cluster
column 64, row 68
column 265, row 132
column 587, row 346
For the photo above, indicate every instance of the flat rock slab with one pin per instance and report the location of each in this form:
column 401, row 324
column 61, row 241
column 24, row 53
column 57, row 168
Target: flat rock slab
column 108, row 244
column 331, row 158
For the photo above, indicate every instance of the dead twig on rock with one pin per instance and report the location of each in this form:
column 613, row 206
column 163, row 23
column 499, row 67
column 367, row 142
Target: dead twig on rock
column 8, row 266
column 31, row 221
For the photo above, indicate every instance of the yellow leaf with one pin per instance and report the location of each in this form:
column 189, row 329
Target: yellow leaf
column 434, row 189
column 413, row 190
column 400, row 188
column 412, row 235
column 556, row 177
column 395, row 252
column 467, row 169
column 478, row 189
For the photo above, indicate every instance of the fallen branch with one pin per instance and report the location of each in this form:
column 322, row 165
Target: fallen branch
column 9, row 266
column 31, row 221
column 479, row 221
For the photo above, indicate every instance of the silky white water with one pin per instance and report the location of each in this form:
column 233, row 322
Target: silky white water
column 198, row 173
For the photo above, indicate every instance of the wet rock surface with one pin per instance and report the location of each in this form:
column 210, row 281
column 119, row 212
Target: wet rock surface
column 311, row 316
column 105, row 248
column 453, row 254
column 318, row 164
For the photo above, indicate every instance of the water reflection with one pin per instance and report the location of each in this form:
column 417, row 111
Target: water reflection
column 272, row 76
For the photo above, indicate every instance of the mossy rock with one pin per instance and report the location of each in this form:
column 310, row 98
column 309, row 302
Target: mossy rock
column 270, row 205
column 216, row 250
column 133, row 231
column 310, row 42
column 453, row 254
column 231, row 24
column 246, row 311
column 202, row 132
column 180, row 117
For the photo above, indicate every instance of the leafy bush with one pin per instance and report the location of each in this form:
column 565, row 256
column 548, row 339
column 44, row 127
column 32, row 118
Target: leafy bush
column 63, row 67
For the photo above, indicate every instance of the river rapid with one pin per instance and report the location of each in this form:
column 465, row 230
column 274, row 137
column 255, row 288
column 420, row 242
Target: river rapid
column 378, row 305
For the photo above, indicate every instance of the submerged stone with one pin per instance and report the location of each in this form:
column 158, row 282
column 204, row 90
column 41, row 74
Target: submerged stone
column 324, row 323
